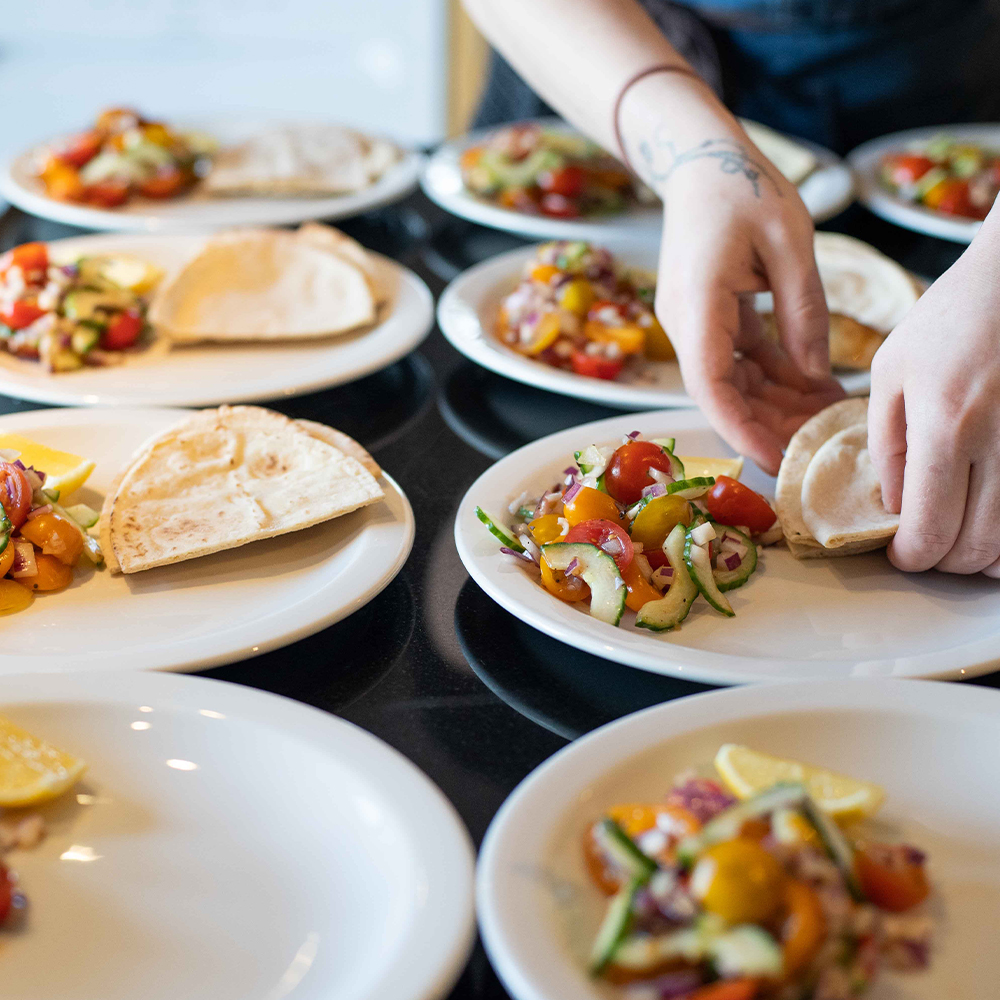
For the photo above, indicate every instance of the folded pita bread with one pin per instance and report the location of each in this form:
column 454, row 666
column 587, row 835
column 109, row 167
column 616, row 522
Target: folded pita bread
column 332, row 240
column 265, row 284
column 303, row 159
column 223, row 478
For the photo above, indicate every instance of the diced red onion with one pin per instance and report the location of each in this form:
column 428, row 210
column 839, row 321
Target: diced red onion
column 701, row 796
column 523, row 556
column 35, row 481
column 571, row 492
column 38, row 511
column 733, row 561
column 613, row 546
column 632, row 435
column 533, row 551
column 572, row 567
column 571, row 470
column 654, row 490
column 24, row 559
column 70, row 270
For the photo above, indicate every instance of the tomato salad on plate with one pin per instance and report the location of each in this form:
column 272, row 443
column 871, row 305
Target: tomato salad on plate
column 764, row 884
column 638, row 527
column 577, row 308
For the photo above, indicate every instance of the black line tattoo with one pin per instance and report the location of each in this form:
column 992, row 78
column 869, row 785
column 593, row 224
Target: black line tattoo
column 733, row 158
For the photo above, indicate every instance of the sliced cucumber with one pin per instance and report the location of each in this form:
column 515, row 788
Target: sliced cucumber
column 599, row 572
column 671, row 609
column 619, row 846
column 614, row 927
column 836, row 845
column 699, row 567
column 746, row 950
column 84, row 516
column 667, row 444
column 645, row 952
column 589, row 459
column 691, row 489
column 497, row 532
column 730, row 579
column 729, row 822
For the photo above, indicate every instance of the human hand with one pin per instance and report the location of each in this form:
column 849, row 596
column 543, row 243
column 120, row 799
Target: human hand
column 733, row 226
column 934, row 419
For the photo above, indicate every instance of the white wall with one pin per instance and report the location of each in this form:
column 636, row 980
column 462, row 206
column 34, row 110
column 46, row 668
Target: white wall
column 381, row 64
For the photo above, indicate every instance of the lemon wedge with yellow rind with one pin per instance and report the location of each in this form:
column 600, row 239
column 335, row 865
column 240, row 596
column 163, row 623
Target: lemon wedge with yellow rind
column 31, row 770
column 64, row 472
column 714, row 467
column 746, row 772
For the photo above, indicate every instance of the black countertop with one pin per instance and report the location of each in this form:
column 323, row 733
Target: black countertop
column 432, row 666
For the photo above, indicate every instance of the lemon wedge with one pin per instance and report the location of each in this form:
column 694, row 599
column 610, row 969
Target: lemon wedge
column 64, row 472
column 137, row 276
column 715, row 467
column 31, row 770
column 747, row 772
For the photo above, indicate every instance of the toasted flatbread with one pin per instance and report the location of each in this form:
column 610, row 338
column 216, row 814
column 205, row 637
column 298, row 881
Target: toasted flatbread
column 223, row 478
column 263, row 284
column 332, row 240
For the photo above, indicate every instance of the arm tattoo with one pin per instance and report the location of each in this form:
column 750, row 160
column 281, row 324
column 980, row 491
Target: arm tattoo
column 662, row 159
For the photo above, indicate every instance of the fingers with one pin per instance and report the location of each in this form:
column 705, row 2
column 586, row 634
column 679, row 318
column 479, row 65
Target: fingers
column 887, row 433
column 977, row 547
column 935, row 490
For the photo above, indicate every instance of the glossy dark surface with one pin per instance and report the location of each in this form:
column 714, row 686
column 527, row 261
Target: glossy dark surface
column 432, row 666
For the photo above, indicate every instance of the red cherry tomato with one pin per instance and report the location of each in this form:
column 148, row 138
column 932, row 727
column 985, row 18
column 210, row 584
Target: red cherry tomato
column 22, row 313
column 952, row 196
column 656, row 558
column 122, row 331
column 165, row 183
column 892, row 876
column 15, row 493
column 907, row 168
column 730, row 502
column 81, row 149
column 627, row 474
column 108, row 194
column 597, row 365
column 6, row 894
column 605, row 535
column 558, row 206
column 568, row 181
column 31, row 257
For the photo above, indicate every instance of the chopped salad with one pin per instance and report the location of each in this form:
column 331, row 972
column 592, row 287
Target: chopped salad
column 769, row 892
column 638, row 527
column 542, row 171
column 69, row 315
column 957, row 178
column 577, row 308
column 124, row 155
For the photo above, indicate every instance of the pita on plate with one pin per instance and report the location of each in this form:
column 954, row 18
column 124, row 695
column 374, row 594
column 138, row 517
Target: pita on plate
column 303, row 159
column 795, row 161
column 223, row 478
column 332, row 240
column 264, row 284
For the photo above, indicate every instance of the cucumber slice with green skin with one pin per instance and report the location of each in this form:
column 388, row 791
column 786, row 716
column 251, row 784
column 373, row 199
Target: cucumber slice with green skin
column 84, row 516
column 614, row 927
column 621, row 848
column 667, row 444
column 645, row 952
column 671, row 609
column 836, row 845
column 746, row 950
column 497, row 532
column 699, row 568
column 599, row 572
column 729, row 822
column 730, row 579
column 589, row 459
column 691, row 489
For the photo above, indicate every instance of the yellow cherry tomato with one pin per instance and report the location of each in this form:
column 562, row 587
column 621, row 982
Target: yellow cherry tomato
column 804, row 927
column 544, row 273
column 588, row 504
column 577, row 296
column 555, row 583
column 546, row 333
column 51, row 574
column 7, row 558
column 739, row 881
column 546, row 529
column 13, row 597
column 657, row 519
column 159, row 134
column 55, row 536
column 658, row 346
column 640, row 590
column 631, row 339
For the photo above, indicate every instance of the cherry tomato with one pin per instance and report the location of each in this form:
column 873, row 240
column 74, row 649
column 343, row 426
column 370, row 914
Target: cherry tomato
column 803, row 930
column 952, row 196
column 55, row 536
column 108, row 194
column 568, row 181
column 518, row 199
column 471, row 157
column 7, row 558
column 165, row 183
column 627, row 474
column 589, row 504
column 51, row 574
column 6, row 893
column 605, row 535
column 81, row 149
column 558, row 206
column 598, row 311
column 22, row 313
column 30, row 257
column 15, row 493
column 545, row 529
column 657, row 519
column 727, row 989
column 906, row 168
column 569, row 589
column 62, row 181
column 739, row 881
column 597, row 365
column 730, row 502
column 640, row 590
column 122, row 331
column 892, row 876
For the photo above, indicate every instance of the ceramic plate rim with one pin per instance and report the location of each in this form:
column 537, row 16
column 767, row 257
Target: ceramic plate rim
column 548, row 791
column 440, row 958
column 304, row 623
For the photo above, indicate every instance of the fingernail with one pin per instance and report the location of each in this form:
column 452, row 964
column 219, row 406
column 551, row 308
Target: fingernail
column 818, row 361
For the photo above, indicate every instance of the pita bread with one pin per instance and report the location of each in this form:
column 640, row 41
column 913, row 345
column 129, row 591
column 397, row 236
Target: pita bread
column 263, row 284
column 223, row 478
column 304, row 159
column 332, row 240
column 793, row 159
column 339, row 440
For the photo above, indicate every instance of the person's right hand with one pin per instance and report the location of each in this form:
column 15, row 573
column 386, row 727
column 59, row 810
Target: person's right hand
column 734, row 226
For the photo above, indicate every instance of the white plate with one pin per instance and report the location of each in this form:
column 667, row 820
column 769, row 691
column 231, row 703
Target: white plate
column 202, row 612
column 467, row 312
column 826, row 192
column 227, row 844
column 931, row 746
column 865, row 161
column 813, row 618
column 20, row 186
column 207, row 374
